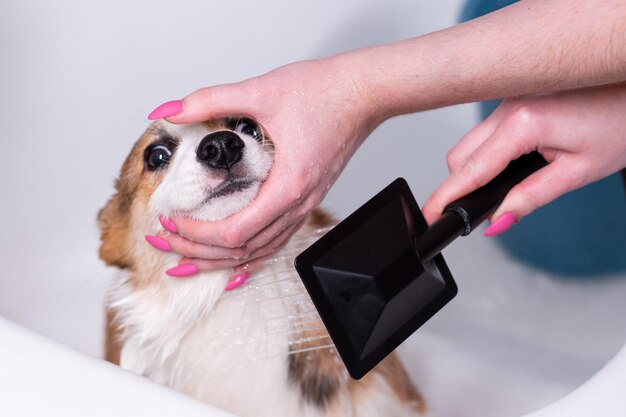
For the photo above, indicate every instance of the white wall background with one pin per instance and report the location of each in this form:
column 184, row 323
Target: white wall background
column 77, row 80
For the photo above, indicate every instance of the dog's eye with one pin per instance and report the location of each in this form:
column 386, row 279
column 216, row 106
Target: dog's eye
column 156, row 156
column 249, row 128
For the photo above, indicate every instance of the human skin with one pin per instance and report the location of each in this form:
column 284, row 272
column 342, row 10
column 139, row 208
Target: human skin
column 319, row 112
column 581, row 133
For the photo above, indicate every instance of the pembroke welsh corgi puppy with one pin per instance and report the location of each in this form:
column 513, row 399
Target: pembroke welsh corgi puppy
column 259, row 350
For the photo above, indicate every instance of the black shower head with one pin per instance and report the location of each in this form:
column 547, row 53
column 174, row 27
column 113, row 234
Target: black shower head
column 378, row 275
column 367, row 281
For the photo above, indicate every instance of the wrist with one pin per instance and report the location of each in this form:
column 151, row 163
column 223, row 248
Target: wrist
column 360, row 87
column 394, row 79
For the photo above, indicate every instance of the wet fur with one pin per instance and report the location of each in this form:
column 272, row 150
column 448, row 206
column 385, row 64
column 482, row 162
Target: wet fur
column 176, row 332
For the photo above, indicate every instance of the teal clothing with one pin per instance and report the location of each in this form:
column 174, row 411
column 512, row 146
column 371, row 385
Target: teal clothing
column 581, row 234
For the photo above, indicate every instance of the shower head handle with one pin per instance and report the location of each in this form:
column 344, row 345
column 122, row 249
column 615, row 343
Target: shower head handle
column 462, row 216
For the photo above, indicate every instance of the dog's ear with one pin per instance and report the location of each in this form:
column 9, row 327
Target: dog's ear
column 115, row 233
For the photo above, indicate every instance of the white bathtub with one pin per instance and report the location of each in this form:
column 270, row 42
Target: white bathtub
column 43, row 378
column 77, row 80
column 512, row 342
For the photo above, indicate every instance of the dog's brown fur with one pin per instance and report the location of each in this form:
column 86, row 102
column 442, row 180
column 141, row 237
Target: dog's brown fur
column 318, row 373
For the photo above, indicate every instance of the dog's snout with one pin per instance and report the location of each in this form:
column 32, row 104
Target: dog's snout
column 221, row 149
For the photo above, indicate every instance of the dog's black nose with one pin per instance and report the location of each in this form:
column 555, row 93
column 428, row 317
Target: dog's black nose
column 221, row 149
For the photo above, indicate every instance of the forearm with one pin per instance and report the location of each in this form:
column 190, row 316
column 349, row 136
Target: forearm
column 532, row 46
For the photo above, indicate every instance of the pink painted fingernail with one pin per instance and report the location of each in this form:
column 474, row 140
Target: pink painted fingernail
column 183, row 270
column 171, row 108
column 237, row 281
column 159, row 243
column 501, row 225
column 167, row 224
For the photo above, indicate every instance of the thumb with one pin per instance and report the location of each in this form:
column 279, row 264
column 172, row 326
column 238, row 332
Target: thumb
column 207, row 103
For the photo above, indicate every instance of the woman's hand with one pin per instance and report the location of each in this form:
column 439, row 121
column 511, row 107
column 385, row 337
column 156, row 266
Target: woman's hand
column 581, row 133
column 316, row 115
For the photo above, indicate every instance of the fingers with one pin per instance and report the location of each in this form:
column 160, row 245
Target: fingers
column 481, row 132
column 557, row 178
column 190, row 249
column 507, row 142
column 206, row 265
column 231, row 233
column 224, row 257
column 251, row 266
column 248, row 263
column 279, row 231
column 207, row 103
column 471, row 141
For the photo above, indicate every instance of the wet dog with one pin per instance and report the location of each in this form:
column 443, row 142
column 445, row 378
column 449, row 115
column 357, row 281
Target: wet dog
column 260, row 350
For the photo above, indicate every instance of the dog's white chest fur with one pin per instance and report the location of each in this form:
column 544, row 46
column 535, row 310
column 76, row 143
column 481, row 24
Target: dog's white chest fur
column 220, row 347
